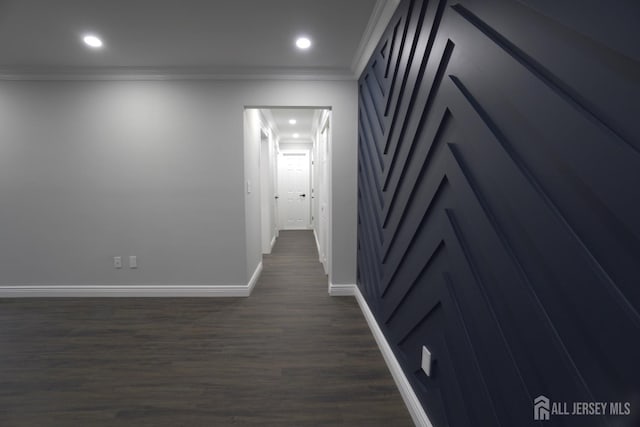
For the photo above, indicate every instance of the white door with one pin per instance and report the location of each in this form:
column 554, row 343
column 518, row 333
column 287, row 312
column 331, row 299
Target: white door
column 293, row 190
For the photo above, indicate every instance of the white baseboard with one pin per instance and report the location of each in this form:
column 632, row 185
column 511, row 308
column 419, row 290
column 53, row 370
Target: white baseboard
column 323, row 261
column 254, row 278
column 342, row 290
column 315, row 236
column 418, row 414
column 273, row 243
column 52, row 291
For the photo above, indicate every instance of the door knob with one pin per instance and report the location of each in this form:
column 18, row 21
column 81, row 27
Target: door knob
column 303, row 195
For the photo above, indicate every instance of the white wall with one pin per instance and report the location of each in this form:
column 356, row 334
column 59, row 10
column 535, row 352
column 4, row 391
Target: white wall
column 89, row 170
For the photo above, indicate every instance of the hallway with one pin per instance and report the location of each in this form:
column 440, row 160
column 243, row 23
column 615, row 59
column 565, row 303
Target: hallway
column 288, row 355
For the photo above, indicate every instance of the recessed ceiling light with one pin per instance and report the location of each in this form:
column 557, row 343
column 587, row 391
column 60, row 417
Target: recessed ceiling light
column 292, row 121
column 92, row 41
column 303, row 43
column 295, row 135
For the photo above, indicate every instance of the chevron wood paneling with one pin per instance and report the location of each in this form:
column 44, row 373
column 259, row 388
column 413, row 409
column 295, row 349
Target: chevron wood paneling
column 498, row 205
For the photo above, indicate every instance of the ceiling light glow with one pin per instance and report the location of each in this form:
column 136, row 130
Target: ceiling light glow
column 292, row 121
column 92, row 41
column 295, row 135
column 303, row 43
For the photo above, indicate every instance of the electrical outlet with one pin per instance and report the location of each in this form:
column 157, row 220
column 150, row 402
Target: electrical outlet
column 426, row 361
column 117, row 262
column 133, row 261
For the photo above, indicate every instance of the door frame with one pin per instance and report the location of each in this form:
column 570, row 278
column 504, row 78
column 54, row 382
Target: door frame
column 328, row 111
column 322, row 146
column 268, row 209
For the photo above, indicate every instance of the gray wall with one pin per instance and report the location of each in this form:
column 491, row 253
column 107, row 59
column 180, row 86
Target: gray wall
column 89, row 170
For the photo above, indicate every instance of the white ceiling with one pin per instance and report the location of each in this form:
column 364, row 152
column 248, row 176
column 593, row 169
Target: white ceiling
column 304, row 123
column 199, row 36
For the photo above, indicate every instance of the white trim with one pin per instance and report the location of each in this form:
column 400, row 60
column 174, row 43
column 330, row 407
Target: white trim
column 315, row 236
column 254, row 278
column 328, row 250
column 342, row 290
column 52, row 291
column 159, row 290
column 273, row 243
column 150, row 73
column 323, row 261
column 380, row 17
column 418, row 414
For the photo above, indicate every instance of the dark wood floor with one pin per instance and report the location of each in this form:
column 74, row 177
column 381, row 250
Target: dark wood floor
column 289, row 355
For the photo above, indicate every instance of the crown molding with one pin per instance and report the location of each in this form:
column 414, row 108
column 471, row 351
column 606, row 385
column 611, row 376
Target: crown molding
column 177, row 73
column 380, row 17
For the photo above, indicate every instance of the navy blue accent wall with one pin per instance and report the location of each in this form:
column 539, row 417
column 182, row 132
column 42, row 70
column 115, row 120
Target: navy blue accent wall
column 499, row 204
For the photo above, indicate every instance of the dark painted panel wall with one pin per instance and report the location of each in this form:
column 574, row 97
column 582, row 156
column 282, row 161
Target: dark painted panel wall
column 499, row 204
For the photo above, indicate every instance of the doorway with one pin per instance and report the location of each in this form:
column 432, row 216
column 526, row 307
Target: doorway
column 288, row 156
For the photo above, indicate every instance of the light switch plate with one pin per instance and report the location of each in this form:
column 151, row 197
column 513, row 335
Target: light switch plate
column 133, row 261
column 426, row 361
column 117, row 262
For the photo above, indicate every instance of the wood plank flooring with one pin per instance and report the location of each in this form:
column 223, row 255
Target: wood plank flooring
column 289, row 355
